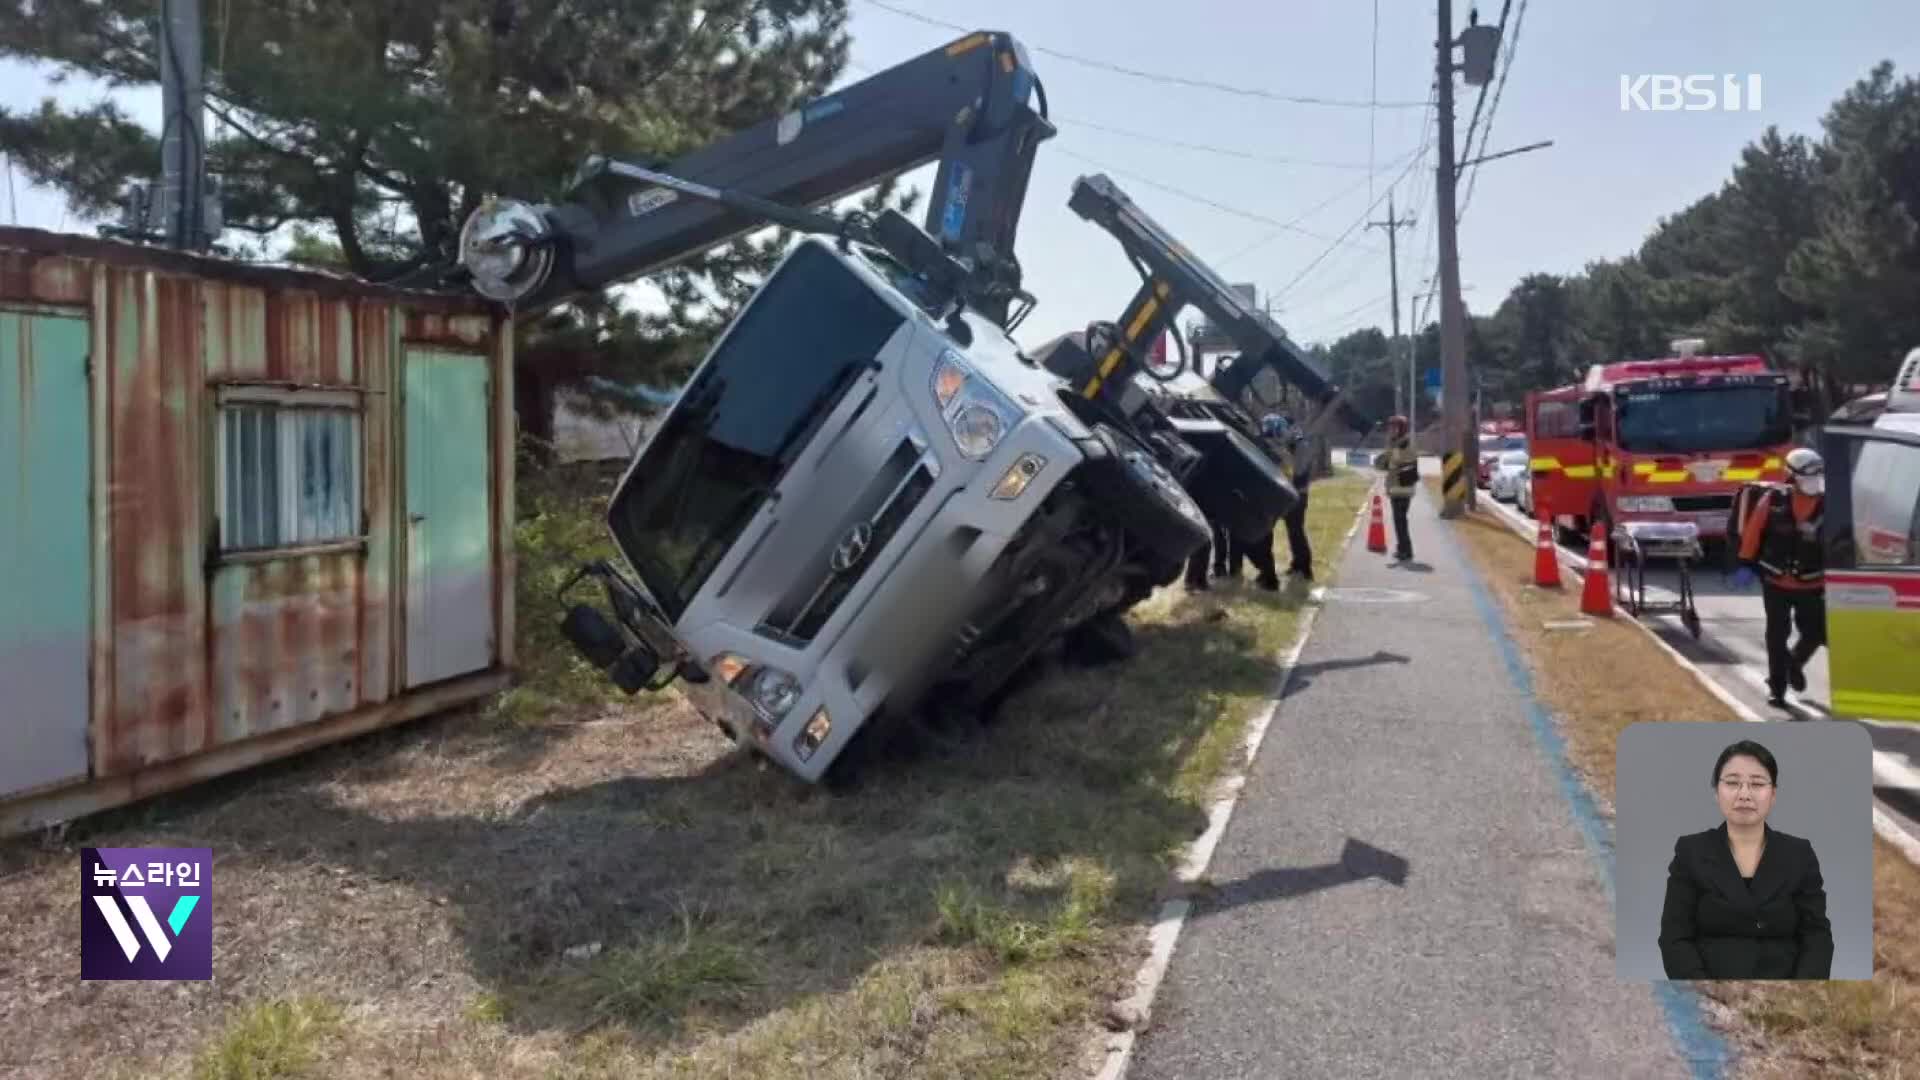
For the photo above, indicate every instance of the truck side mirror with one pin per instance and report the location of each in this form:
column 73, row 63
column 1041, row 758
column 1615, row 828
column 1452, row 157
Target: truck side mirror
column 630, row 666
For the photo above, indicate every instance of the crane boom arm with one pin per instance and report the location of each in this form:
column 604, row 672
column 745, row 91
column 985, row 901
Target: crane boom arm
column 965, row 104
column 1174, row 278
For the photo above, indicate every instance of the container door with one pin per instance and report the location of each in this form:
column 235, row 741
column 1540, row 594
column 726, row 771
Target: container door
column 450, row 609
column 1872, row 532
column 45, row 550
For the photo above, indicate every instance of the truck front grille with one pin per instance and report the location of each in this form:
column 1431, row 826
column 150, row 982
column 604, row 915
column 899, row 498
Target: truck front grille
column 882, row 508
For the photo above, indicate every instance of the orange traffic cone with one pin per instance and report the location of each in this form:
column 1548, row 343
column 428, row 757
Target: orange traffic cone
column 1377, row 528
column 1546, row 558
column 1597, row 597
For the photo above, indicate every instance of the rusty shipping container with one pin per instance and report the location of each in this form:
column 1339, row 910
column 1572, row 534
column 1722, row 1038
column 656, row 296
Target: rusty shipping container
column 244, row 510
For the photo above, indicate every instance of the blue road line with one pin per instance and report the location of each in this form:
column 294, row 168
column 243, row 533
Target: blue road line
column 1703, row 1048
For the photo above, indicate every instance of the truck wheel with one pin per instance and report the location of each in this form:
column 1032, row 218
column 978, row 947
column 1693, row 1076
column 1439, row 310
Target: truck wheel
column 1137, row 493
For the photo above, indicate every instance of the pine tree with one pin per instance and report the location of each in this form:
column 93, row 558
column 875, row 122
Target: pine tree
column 1860, row 271
column 378, row 127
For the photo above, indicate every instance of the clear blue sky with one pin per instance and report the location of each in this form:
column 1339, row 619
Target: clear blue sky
column 1605, row 182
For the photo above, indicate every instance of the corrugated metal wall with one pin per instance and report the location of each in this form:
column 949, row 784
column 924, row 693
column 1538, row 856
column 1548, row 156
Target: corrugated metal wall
column 192, row 650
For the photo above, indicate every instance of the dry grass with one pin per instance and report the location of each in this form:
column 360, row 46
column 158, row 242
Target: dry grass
column 1785, row 1029
column 566, row 885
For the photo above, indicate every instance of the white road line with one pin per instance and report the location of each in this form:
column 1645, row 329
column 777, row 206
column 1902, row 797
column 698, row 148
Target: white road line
column 1887, row 771
column 1173, row 914
column 1890, row 773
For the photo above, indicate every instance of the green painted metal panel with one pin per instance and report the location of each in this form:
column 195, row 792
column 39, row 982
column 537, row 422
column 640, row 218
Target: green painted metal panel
column 45, row 599
column 450, row 610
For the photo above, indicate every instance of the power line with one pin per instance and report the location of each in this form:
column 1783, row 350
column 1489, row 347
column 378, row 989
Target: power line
column 1241, row 154
column 1373, row 95
column 1305, row 270
column 1316, row 208
column 1342, row 238
column 1180, row 144
column 1157, row 77
column 1334, row 320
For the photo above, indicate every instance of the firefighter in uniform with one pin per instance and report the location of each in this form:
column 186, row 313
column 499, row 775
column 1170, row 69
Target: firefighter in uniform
column 1401, row 463
column 1296, row 457
column 1780, row 544
column 1228, row 554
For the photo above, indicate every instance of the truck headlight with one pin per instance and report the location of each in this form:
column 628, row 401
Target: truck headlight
column 1646, row 504
column 771, row 691
column 1017, row 477
column 815, row 733
column 977, row 414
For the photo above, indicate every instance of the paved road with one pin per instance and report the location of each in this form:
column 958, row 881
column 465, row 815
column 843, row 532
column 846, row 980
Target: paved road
column 1732, row 650
column 1407, row 887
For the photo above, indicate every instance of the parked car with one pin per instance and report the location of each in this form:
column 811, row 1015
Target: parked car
column 1523, row 494
column 1490, row 447
column 1509, row 472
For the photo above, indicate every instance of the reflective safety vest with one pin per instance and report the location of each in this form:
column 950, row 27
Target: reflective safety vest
column 1401, row 463
column 1785, row 546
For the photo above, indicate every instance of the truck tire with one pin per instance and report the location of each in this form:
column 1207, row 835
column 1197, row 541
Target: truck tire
column 1137, row 493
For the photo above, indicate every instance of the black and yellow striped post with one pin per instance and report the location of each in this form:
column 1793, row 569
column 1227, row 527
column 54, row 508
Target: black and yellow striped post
column 1453, row 477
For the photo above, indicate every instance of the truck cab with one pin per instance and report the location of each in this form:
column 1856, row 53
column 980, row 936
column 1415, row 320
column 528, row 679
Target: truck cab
column 1667, row 440
column 821, row 518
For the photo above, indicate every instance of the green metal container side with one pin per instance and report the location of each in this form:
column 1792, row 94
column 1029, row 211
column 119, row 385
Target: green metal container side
column 45, row 589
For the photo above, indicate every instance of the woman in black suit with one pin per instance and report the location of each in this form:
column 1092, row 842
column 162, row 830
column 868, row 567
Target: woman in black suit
column 1745, row 901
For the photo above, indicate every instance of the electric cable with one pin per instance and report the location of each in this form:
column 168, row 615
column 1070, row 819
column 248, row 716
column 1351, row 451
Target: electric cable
column 1169, row 80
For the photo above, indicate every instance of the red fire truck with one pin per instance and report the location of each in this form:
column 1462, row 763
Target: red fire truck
column 1658, row 440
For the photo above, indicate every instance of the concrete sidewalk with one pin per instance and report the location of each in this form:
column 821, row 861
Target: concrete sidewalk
column 1409, row 886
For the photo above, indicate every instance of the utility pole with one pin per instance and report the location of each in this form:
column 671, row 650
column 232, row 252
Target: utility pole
column 182, row 145
column 1457, row 488
column 1456, row 382
column 1393, row 225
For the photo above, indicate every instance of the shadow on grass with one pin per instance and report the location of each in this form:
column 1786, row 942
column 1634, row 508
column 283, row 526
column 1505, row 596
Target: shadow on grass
column 725, row 895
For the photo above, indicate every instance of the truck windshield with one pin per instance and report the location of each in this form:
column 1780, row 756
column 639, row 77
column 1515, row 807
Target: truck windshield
column 743, row 419
column 1703, row 419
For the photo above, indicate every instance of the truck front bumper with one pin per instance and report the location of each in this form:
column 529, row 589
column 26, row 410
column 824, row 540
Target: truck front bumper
column 907, row 616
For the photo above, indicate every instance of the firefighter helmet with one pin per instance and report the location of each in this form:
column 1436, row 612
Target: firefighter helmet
column 1805, row 461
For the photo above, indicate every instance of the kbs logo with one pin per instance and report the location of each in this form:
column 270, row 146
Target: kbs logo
column 1689, row 93
column 146, row 913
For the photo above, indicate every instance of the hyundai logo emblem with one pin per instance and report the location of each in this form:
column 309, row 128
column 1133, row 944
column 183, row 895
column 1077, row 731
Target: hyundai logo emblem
column 852, row 548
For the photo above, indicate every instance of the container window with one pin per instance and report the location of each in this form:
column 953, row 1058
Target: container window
column 289, row 476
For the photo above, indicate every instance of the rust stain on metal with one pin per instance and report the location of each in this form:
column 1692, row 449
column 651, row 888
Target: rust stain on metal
column 440, row 328
column 39, row 278
column 210, row 268
column 154, row 521
column 194, row 655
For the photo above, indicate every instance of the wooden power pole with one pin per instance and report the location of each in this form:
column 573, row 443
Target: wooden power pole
column 1456, row 481
column 1393, row 225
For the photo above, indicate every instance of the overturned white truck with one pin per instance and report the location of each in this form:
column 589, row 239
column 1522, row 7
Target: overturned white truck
column 869, row 509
